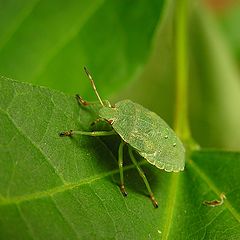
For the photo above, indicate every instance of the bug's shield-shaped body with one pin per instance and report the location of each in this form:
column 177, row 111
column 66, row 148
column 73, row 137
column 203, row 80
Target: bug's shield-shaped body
column 148, row 134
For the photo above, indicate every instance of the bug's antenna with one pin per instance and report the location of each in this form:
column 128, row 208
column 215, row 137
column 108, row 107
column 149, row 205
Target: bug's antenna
column 93, row 85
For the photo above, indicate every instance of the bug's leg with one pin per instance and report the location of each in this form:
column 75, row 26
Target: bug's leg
column 97, row 121
column 141, row 173
column 120, row 164
column 94, row 134
column 103, row 120
column 81, row 101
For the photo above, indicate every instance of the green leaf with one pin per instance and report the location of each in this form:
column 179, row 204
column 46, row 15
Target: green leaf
column 62, row 188
column 228, row 21
column 215, row 84
column 49, row 42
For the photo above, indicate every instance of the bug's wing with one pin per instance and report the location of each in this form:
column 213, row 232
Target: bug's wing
column 167, row 156
column 149, row 135
column 159, row 146
column 162, row 147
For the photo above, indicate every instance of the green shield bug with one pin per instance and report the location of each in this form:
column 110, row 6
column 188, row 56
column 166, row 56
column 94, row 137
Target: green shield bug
column 143, row 131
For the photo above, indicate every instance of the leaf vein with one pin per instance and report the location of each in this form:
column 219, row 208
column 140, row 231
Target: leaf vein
column 64, row 218
column 83, row 209
column 34, row 144
column 104, row 206
column 30, row 231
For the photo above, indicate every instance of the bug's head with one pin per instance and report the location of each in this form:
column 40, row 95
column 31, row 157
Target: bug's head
column 108, row 113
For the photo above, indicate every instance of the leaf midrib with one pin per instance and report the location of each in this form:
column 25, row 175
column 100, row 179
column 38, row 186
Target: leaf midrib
column 64, row 187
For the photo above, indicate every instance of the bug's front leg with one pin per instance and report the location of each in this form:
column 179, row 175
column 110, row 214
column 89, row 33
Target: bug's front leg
column 120, row 165
column 141, row 173
column 97, row 121
column 93, row 134
column 82, row 101
column 101, row 120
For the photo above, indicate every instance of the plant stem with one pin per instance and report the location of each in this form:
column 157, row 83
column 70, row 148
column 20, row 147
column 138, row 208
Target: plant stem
column 181, row 34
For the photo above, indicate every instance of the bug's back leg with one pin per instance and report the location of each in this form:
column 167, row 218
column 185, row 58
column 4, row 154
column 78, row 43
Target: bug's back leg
column 120, row 165
column 141, row 173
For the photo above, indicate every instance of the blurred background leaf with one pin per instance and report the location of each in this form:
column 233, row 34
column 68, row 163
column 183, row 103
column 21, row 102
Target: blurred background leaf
column 227, row 14
column 48, row 43
column 229, row 23
column 215, row 83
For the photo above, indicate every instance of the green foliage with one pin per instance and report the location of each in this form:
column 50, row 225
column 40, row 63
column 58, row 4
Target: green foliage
column 51, row 41
column 217, row 85
column 67, row 188
column 61, row 188
column 229, row 26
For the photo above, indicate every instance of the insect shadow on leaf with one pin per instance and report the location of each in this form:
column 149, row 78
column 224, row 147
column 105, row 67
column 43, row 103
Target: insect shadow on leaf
column 140, row 131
